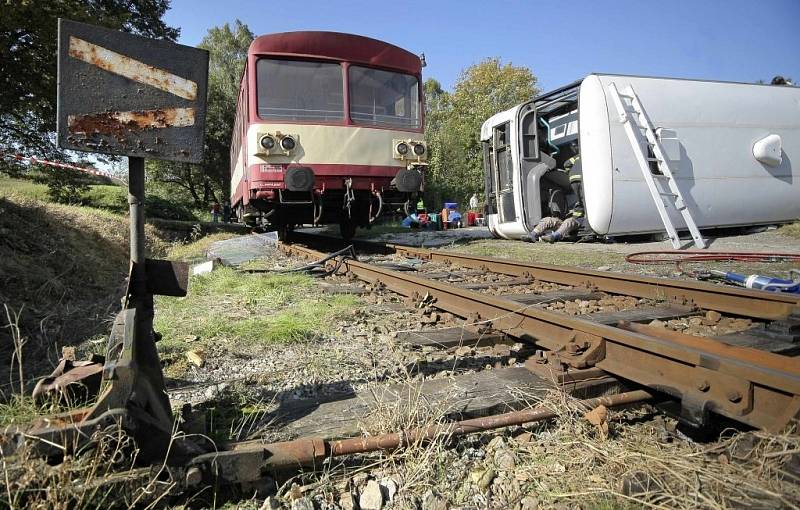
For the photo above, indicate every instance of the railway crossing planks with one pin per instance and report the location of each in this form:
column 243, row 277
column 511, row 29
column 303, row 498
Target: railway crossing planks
column 393, row 406
column 496, row 284
column 554, row 296
column 757, row 339
column 450, row 337
column 638, row 314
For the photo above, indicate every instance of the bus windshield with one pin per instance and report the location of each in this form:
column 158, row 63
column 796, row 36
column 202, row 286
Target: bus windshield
column 383, row 98
column 299, row 90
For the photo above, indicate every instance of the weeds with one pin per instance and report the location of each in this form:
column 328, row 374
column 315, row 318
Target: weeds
column 19, row 342
column 100, row 475
column 587, row 255
column 242, row 309
column 791, row 229
column 18, row 410
column 565, row 462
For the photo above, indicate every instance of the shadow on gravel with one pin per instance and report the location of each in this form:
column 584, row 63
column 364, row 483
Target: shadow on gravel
column 238, row 414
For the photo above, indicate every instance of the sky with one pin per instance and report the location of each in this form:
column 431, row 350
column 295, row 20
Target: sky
column 560, row 41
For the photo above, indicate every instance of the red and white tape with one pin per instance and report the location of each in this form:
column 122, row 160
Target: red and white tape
column 39, row 161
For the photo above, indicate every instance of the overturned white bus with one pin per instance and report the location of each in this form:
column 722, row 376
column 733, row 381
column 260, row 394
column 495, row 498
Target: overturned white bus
column 657, row 154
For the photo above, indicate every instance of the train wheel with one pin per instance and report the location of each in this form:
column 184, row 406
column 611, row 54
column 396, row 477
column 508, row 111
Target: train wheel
column 283, row 232
column 347, row 228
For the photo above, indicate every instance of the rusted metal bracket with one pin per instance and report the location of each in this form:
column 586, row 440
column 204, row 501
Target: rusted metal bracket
column 581, row 351
column 72, row 382
column 700, row 389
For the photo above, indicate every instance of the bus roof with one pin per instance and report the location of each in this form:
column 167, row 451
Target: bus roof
column 335, row 45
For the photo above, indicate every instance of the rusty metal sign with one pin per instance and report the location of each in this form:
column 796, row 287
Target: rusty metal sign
column 128, row 95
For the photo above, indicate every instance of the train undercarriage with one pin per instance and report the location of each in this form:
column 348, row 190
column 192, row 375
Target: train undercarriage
column 284, row 210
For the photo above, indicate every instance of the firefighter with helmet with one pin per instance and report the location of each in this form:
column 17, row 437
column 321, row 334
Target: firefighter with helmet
column 573, row 168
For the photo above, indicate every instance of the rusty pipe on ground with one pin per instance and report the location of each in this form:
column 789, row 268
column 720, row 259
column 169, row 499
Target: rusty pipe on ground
column 248, row 461
column 460, row 428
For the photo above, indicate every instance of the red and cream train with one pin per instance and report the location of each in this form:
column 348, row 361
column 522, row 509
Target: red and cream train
column 329, row 129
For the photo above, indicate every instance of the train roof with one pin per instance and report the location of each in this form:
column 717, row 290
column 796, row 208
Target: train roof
column 336, row 45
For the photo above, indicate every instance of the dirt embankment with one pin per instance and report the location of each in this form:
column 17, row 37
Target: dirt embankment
column 62, row 274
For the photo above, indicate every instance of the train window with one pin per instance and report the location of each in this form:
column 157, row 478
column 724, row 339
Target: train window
column 383, row 98
column 299, row 90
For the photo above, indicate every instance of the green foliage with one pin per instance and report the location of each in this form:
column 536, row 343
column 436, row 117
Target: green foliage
column 115, row 199
column 65, row 186
column 454, row 121
column 99, row 196
column 28, row 40
column 210, row 181
column 18, row 409
column 110, row 198
column 166, row 208
column 27, row 188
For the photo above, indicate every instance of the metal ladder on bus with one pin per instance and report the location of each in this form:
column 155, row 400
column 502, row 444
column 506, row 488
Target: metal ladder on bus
column 636, row 121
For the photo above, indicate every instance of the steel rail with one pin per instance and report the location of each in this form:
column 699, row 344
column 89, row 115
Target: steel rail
column 731, row 300
column 758, row 388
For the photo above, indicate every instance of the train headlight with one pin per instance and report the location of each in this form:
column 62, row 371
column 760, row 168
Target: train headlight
column 419, row 149
column 287, row 143
column 267, row 142
column 402, row 148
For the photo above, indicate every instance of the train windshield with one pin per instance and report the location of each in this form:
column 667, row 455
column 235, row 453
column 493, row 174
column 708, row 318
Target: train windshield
column 299, row 90
column 383, row 98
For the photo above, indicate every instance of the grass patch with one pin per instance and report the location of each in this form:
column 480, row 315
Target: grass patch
column 102, row 196
column 235, row 308
column 563, row 254
column 18, row 410
column 63, row 269
column 791, row 229
column 23, row 187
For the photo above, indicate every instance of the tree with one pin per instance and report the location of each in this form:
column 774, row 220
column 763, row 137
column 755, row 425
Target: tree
column 211, row 179
column 454, row 123
column 28, row 41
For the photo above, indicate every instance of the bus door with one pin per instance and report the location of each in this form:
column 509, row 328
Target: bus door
column 504, row 170
column 531, row 166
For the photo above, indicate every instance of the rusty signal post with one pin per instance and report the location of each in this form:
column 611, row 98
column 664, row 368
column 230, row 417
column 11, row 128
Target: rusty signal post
column 126, row 95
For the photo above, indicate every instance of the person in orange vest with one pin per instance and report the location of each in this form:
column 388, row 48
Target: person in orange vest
column 445, row 217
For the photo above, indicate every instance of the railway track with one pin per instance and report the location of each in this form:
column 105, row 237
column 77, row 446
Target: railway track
column 745, row 367
column 607, row 339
